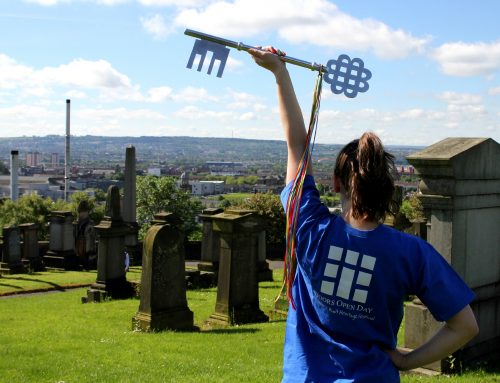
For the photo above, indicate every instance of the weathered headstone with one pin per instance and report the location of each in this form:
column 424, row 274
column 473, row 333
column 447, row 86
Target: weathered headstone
column 163, row 286
column 30, row 249
column 85, row 237
column 460, row 195
column 237, row 288
column 11, row 251
column 111, row 276
column 61, row 254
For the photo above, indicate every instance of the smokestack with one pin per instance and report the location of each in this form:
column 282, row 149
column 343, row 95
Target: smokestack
column 14, row 166
column 66, row 158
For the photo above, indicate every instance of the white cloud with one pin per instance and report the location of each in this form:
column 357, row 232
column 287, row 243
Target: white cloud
column 192, row 94
column 85, row 74
column 75, row 94
column 314, row 21
column 159, row 94
column 466, row 59
column 455, row 98
column 45, row 3
column 156, row 26
column 168, row 3
column 494, row 91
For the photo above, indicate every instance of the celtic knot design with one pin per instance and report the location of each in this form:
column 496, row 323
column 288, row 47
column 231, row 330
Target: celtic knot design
column 347, row 76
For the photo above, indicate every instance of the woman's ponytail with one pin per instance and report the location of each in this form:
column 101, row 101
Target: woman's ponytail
column 366, row 172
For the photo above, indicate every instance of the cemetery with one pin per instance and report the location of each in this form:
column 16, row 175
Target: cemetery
column 145, row 314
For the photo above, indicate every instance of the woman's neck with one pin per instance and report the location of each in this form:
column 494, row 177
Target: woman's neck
column 357, row 223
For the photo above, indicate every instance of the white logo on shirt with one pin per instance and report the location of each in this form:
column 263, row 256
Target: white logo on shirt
column 354, row 267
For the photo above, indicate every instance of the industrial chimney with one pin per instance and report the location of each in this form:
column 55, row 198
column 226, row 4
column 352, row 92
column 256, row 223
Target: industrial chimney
column 66, row 158
column 14, row 166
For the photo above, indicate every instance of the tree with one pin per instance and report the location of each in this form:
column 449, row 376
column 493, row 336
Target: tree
column 28, row 209
column 156, row 194
column 412, row 208
column 268, row 206
column 96, row 210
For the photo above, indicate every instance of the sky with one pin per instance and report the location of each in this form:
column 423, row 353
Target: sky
column 435, row 68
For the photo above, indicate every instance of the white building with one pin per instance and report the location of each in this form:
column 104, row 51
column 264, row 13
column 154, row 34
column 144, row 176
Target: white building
column 207, row 187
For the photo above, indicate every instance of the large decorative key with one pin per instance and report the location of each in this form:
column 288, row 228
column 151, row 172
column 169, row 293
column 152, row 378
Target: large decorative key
column 345, row 75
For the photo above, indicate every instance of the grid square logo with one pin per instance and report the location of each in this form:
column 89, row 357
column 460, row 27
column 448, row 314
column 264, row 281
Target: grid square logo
column 347, row 277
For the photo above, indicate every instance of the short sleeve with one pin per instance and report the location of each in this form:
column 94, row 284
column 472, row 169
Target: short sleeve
column 310, row 203
column 313, row 216
column 439, row 286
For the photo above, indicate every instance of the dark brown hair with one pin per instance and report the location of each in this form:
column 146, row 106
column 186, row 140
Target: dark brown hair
column 366, row 172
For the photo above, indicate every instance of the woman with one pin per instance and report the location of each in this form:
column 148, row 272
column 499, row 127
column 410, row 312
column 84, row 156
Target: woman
column 353, row 272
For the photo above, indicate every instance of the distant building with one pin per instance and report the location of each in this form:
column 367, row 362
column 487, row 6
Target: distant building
column 33, row 158
column 54, row 160
column 226, row 168
column 154, row 172
column 200, row 188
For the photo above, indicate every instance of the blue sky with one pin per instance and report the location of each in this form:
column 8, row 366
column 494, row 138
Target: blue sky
column 435, row 65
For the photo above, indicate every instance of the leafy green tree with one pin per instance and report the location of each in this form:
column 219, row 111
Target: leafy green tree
column 412, row 208
column 27, row 209
column 156, row 194
column 96, row 210
column 268, row 206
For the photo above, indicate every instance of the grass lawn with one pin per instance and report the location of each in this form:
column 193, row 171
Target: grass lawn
column 53, row 280
column 54, row 338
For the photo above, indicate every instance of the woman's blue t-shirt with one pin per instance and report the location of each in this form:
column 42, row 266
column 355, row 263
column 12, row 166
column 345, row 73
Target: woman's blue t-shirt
column 349, row 291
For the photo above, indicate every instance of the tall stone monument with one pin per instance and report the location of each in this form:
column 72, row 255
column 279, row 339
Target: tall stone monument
column 61, row 254
column 111, row 275
column 129, row 204
column 11, row 251
column 237, row 287
column 460, row 194
column 163, row 286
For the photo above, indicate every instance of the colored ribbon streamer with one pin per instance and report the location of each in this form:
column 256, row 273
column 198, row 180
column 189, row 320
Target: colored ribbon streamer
column 293, row 202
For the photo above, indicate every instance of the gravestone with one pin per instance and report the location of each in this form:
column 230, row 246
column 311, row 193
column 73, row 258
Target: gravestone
column 85, row 237
column 210, row 242
column 30, row 249
column 11, row 252
column 61, row 254
column 237, row 287
column 163, row 303
column 111, row 279
column 460, row 195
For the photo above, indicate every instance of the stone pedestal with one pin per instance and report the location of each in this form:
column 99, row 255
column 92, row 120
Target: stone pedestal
column 111, row 276
column 460, row 194
column 30, row 250
column 210, row 242
column 163, row 286
column 11, row 252
column 61, row 254
column 237, row 289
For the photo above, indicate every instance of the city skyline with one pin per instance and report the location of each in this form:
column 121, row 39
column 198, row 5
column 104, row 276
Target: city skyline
column 123, row 65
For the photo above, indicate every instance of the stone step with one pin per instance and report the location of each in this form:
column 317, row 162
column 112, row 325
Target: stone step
column 54, row 261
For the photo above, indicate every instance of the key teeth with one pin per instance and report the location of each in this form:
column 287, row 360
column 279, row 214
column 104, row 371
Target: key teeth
column 219, row 53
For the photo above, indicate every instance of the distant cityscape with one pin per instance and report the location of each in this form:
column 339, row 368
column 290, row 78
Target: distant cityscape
column 203, row 166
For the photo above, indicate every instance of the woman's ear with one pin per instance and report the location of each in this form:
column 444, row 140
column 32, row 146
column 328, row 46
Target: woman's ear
column 336, row 184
